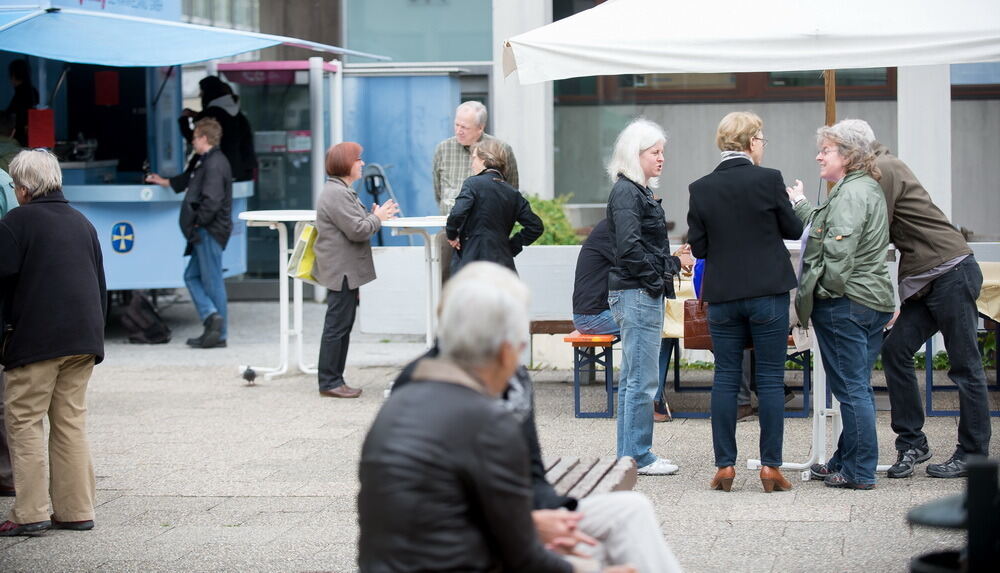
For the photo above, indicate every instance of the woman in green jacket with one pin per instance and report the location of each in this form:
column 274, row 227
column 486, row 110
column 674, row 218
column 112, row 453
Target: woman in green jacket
column 846, row 290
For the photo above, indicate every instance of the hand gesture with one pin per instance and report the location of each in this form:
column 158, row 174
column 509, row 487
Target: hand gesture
column 157, row 180
column 386, row 210
column 795, row 192
column 558, row 530
column 684, row 254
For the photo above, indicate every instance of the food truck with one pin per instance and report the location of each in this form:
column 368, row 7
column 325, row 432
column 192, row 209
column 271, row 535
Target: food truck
column 108, row 78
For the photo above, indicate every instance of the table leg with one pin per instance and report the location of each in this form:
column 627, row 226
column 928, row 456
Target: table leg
column 282, row 367
column 299, row 330
column 433, row 284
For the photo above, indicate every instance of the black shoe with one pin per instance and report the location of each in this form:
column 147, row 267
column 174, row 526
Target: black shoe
column 819, row 471
column 213, row 331
column 85, row 525
column 953, row 468
column 838, row 480
column 906, row 460
column 219, row 344
column 196, row 342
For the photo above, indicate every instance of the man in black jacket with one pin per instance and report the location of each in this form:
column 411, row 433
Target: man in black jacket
column 206, row 221
column 613, row 528
column 52, row 280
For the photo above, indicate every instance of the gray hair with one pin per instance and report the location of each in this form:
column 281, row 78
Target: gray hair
column 482, row 307
column 855, row 142
column 637, row 137
column 476, row 107
column 36, row 170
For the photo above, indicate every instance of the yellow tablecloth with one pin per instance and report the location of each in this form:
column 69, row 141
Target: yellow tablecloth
column 989, row 297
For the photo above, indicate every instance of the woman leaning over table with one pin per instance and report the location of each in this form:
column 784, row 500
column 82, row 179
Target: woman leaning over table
column 343, row 260
column 846, row 290
column 640, row 278
column 737, row 218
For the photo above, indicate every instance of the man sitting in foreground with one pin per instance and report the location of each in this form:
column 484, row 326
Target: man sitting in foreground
column 622, row 522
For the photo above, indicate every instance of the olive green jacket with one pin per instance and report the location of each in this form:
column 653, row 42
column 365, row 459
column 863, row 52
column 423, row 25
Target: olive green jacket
column 845, row 253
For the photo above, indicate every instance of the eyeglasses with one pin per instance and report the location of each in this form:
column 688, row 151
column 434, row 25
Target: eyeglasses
column 760, row 139
column 827, row 150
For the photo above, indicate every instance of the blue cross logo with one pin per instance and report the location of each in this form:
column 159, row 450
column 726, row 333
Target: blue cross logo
column 122, row 237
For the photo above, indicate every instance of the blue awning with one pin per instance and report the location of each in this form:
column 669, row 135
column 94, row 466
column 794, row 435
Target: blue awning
column 106, row 39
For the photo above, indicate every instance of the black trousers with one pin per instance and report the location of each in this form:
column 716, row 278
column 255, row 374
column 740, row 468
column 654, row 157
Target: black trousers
column 6, row 468
column 948, row 306
column 341, row 307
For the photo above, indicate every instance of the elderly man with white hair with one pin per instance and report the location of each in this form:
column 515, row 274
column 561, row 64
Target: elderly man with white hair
column 610, row 529
column 54, row 302
column 452, row 163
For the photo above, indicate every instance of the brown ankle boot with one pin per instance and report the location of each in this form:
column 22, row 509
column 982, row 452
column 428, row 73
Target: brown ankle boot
column 772, row 479
column 723, row 478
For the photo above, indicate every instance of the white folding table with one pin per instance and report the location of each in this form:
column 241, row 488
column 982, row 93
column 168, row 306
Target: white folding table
column 432, row 256
column 276, row 220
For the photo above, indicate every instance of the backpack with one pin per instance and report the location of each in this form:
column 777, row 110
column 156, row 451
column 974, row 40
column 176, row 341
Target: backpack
column 143, row 323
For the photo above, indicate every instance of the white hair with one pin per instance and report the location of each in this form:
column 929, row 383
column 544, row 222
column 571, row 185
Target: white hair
column 482, row 307
column 476, row 107
column 855, row 142
column 637, row 137
column 36, row 170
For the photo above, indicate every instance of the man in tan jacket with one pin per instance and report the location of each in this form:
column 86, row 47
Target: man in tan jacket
column 939, row 282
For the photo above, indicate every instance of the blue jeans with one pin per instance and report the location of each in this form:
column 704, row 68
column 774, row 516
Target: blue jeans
column 850, row 337
column 667, row 346
column 949, row 306
column 603, row 323
column 640, row 318
column 764, row 321
column 203, row 277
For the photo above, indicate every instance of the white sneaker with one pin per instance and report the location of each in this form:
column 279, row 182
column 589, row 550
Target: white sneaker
column 661, row 467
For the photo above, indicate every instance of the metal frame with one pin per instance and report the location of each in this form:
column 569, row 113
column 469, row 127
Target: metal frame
column 585, row 355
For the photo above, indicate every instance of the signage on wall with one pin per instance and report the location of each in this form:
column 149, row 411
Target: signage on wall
column 162, row 9
column 122, row 237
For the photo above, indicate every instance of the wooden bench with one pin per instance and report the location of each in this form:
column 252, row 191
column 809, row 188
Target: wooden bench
column 586, row 356
column 580, row 477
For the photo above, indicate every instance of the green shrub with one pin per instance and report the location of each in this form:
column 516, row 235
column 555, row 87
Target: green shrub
column 558, row 231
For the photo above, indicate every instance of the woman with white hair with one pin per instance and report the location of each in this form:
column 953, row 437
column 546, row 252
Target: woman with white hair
column 637, row 283
column 846, row 290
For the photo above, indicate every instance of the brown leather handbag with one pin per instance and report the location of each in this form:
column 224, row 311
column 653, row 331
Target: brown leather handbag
column 696, row 333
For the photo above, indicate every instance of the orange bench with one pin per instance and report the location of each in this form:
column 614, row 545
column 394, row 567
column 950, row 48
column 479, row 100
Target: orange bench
column 586, row 355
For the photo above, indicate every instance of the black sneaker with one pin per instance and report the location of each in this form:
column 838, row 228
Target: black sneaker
column 906, row 460
column 838, row 480
column 953, row 468
column 819, row 471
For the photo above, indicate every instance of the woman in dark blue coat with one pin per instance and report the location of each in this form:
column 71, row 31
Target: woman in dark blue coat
column 485, row 211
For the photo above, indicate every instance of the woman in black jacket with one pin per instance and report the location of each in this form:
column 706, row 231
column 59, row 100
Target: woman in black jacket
column 737, row 218
column 485, row 211
column 638, row 281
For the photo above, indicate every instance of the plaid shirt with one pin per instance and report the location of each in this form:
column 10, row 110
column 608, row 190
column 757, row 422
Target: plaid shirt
column 453, row 165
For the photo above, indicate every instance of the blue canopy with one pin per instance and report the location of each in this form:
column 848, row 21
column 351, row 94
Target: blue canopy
column 107, row 39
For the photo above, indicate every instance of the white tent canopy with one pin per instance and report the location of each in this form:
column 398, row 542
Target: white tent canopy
column 664, row 36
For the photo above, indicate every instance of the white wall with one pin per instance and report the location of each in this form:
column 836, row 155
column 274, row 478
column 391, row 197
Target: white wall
column 522, row 115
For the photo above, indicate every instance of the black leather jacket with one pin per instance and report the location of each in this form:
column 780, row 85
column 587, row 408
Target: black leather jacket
column 208, row 198
column 444, row 482
column 638, row 229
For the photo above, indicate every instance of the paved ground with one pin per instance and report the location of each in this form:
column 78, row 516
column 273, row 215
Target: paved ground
column 198, row 472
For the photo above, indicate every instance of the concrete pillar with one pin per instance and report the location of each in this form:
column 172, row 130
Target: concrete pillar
column 522, row 115
column 924, row 126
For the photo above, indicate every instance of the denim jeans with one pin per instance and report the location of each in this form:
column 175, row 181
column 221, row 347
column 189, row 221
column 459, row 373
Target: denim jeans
column 949, row 306
column 763, row 320
column 850, row 337
column 667, row 346
column 203, row 277
column 640, row 318
column 603, row 323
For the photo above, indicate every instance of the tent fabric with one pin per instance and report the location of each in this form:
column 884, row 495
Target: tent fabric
column 722, row 36
column 106, row 39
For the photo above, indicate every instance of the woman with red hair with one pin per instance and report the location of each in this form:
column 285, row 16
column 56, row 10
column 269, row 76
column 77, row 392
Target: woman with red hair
column 343, row 260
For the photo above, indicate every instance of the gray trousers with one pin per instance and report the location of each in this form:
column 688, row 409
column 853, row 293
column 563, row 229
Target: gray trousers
column 628, row 532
